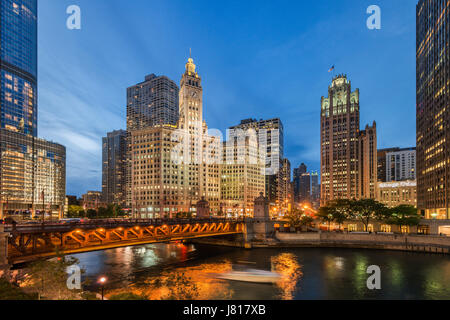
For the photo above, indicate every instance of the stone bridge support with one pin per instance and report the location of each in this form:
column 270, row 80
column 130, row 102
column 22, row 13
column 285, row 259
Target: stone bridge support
column 261, row 227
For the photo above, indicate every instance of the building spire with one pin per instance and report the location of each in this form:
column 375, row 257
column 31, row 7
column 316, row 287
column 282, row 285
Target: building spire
column 190, row 66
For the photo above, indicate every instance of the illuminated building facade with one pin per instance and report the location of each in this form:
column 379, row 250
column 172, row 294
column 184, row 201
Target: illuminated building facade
column 401, row 165
column 367, row 162
column 174, row 167
column 271, row 144
column 30, row 167
column 381, row 162
column 153, row 102
column 285, row 186
column 114, row 162
column 348, row 155
column 92, row 200
column 433, row 108
column 32, row 170
column 242, row 175
column 395, row 193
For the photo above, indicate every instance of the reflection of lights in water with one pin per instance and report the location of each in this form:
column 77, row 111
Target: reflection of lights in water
column 192, row 283
column 141, row 251
column 360, row 275
column 435, row 278
column 286, row 264
column 339, row 263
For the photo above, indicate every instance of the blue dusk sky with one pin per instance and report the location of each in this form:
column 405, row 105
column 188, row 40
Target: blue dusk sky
column 257, row 59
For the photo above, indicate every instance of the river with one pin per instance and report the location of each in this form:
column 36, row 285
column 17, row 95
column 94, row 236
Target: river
column 187, row 271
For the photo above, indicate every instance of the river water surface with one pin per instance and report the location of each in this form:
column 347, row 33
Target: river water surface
column 181, row 271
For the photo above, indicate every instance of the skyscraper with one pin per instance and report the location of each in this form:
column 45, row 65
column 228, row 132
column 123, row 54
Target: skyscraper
column 285, row 190
column 348, row 156
column 242, row 173
column 296, row 181
column 18, row 63
column 381, row 154
column 114, row 167
column 432, row 110
column 315, row 189
column 367, row 162
column 174, row 167
column 302, row 184
column 401, row 165
column 32, row 170
column 153, row 102
column 271, row 145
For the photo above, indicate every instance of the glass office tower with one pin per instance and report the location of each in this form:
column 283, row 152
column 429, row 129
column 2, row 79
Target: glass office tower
column 32, row 170
column 433, row 112
column 18, row 60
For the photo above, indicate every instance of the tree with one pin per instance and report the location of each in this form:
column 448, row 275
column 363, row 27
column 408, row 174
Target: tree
column 75, row 212
column 9, row 291
column 366, row 210
column 326, row 215
column 48, row 278
column 341, row 210
column 293, row 220
column 306, row 220
column 91, row 213
column 403, row 215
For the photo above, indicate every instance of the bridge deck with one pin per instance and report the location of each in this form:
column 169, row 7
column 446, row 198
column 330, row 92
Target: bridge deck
column 30, row 242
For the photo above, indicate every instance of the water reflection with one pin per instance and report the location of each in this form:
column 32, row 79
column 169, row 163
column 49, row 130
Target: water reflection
column 286, row 264
column 178, row 271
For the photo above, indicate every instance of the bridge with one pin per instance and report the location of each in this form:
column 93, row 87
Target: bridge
column 28, row 242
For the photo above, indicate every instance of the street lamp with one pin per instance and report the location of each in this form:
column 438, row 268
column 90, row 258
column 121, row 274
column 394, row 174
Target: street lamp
column 102, row 282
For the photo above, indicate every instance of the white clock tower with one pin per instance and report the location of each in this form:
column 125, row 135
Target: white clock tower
column 191, row 96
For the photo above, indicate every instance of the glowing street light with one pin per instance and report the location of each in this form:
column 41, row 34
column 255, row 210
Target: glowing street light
column 102, row 281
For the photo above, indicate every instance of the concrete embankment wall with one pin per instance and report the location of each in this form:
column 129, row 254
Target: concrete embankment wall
column 436, row 244
column 416, row 243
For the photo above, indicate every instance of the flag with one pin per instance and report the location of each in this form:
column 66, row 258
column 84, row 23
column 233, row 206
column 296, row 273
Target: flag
column 331, row 69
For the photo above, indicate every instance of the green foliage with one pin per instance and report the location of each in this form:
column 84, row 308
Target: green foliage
column 9, row 291
column 48, row 278
column 326, row 214
column 297, row 219
column 403, row 215
column 127, row 296
column 306, row 220
column 111, row 211
column 76, row 212
column 363, row 210
column 366, row 210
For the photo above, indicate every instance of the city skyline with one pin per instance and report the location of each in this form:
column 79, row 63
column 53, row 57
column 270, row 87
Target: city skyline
column 282, row 73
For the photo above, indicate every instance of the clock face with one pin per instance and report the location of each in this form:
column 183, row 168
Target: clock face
column 193, row 94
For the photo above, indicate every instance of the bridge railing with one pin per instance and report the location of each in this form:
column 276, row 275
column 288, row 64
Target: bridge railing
column 111, row 223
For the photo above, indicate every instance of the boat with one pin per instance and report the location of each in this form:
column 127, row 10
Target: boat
column 251, row 275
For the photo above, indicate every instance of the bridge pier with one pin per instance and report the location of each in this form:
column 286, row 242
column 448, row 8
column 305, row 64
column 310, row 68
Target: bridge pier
column 4, row 266
column 260, row 228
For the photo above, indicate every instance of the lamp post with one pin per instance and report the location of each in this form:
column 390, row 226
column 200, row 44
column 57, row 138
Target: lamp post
column 102, row 282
